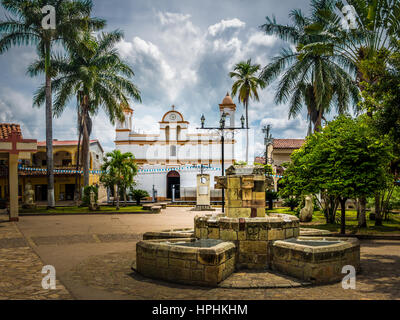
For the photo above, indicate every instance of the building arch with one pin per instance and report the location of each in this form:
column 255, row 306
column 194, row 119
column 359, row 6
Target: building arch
column 173, row 179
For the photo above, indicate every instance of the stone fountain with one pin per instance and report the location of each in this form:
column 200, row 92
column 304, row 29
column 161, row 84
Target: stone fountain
column 243, row 238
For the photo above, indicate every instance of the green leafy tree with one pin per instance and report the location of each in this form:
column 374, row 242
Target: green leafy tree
column 119, row 170
column 246, row 86
column 375, row 24
column 346, row 160
column 94, row 73
column 139, row 194
column 381, row 98
column 23, row 26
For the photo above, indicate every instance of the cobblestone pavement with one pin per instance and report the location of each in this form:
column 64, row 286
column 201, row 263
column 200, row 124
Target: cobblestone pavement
column 20, row 269
column 93, row 256
column 260, row 279
column 380, row 279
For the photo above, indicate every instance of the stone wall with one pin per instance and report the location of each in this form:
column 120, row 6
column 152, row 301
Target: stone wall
column 252, row 236
column 320, row 264
column 190, row 265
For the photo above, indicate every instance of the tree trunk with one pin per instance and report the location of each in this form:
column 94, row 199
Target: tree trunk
column 125, row 200
column 362, row 217
column 343, row 215
column 378, row 210
column 49, row 133
column 318, row 123
column 247, row 132
column 78, row 154
column 117, row 195
column 270, row 204
column 85, row 149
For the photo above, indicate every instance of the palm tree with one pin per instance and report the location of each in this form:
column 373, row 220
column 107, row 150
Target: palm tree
column 377, row 24
column 312, row 79
column 377, row 29
column 24, row 27
column 121, row 168
column 94, row 73
column 246, row 85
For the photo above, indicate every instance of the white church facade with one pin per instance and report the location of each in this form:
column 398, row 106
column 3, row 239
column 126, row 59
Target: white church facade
column 170, row 160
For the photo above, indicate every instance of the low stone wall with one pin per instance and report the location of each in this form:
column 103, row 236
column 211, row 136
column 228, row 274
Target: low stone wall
column 169, row 234
column 314, row 232
column 204, row 266
column 251, row 236
column 318, row 264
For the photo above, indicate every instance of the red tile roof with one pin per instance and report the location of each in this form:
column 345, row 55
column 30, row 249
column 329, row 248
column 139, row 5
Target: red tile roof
column 6, row 129
column 288, row 143
column 63, row 143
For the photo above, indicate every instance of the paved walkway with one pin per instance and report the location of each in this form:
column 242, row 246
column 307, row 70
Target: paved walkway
column 93, row 255
column 20, row 269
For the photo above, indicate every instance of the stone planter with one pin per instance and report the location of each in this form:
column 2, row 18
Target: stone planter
column 319, row 260
column 190, row 261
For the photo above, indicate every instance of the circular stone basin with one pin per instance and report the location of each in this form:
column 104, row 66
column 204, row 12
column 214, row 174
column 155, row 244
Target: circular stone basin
column 169, row 234
column 198, row 262
column 313, row 232
column 315, row 259
column 202, row 243
column 252, row 236
column 312, row 243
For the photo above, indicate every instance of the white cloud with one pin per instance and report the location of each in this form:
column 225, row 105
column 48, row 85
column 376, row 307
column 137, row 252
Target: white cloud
column 223, row 25
column 171, row 17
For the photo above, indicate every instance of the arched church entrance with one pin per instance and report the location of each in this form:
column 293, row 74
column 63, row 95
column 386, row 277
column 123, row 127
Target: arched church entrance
column 173, row 180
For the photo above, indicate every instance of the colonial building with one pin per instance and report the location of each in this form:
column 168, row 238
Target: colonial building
column 33, row 169
column 13, row 149
column 279, row 152
column 171, row 158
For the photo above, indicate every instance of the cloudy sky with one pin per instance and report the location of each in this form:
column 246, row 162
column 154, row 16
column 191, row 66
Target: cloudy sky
column 181, row 52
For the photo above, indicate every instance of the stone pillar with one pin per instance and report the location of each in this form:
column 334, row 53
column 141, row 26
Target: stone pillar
column 245, row 194
column 13, row 187
column 203, row 193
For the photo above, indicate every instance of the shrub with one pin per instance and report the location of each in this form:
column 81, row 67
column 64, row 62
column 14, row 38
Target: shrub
column 139, row 194
column 86, row 195
column 291, row 202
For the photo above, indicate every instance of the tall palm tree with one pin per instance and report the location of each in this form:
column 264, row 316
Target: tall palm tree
column 94, row 73
column 24, row 27
column 246, row 87
column 121, row 168
column 314, row 79
column 376, row 26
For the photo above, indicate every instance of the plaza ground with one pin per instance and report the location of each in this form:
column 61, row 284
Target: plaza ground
column 93, row 255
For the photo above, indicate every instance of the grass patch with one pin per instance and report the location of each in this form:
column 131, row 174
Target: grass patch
column 392, row 226
column 74, row 209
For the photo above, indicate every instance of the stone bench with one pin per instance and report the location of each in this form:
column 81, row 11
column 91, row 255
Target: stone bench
column 156, row 209
column 147, row 206
column 163, row 205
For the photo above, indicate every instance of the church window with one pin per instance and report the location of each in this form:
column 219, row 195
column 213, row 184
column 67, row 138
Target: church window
column 173, row 151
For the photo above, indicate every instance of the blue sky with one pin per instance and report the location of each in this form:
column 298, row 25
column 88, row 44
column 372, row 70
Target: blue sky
column 181, row 52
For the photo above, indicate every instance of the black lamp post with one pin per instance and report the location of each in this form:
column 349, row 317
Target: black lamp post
column 268, row 140
column 222, row 129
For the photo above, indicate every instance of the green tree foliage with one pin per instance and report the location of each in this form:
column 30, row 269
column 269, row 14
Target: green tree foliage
column 94, row 73
column 23, row 26
column 312, row 79
column 119, row 170
column 381, row 99
column 139, row 194
column 346, row 160
column 246, row 87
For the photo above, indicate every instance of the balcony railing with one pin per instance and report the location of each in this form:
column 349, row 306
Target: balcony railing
column 57, row 170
